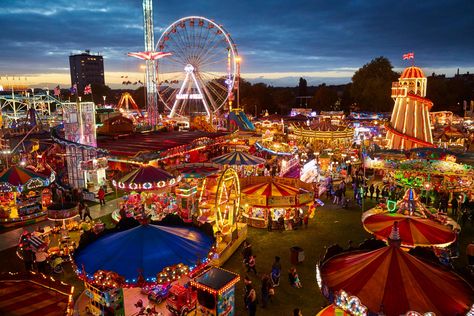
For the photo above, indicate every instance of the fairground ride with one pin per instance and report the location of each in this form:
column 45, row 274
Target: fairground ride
column 227, row 203
column 201, row 74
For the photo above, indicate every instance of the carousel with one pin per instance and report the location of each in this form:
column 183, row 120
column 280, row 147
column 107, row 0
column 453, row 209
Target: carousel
column 245, row 164
column 364, row 283
column 265, row 199
column 24, row 196
column 149, row 193
column 417, row 225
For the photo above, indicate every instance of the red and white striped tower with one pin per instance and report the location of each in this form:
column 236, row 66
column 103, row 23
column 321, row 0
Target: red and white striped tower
column 410, row 125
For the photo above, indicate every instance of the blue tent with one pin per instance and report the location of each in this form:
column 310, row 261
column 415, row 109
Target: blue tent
column 150, row 248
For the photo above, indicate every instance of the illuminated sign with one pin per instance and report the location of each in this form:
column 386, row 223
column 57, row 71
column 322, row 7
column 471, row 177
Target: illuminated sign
column 192, row 96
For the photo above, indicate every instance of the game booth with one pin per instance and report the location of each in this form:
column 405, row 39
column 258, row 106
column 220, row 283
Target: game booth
column 24, row 196
column 263, row 198
column 215, row 292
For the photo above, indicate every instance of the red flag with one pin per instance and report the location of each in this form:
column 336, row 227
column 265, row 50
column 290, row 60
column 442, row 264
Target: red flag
column 57, row 91
column 88, row 89
column 409, row 56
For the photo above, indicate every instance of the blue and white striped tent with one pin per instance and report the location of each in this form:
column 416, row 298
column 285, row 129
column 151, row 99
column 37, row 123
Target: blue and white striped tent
column 238, row 158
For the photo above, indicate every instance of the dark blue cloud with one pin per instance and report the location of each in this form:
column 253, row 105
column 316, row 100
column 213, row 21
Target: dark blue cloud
column 272, row 35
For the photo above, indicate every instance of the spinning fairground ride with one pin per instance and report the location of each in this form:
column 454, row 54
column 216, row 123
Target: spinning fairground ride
column 200, row 75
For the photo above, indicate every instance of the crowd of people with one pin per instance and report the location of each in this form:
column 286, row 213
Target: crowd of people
column 269, row 281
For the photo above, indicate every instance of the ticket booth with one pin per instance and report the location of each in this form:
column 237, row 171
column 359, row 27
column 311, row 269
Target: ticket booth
column 216, row 292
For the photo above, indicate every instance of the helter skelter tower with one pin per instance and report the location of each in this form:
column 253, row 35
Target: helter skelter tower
column 410, row 125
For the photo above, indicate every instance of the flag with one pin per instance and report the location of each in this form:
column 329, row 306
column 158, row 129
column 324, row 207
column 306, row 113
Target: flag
column 57, row 91
column 73, row 89
column 88, row 89
column 409, row 56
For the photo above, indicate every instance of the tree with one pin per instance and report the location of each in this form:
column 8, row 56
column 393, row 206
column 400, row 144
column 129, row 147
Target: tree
column 324, row 98
column 371, row 85
column 302, row 88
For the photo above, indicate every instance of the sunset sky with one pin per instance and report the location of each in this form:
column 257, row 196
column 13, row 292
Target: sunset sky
column 279, row 41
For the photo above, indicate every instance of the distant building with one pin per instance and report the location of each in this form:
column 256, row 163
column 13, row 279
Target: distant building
column 86, row 69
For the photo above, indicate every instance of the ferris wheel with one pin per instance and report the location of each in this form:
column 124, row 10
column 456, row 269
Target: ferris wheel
column 227, row 203
column 200, row 74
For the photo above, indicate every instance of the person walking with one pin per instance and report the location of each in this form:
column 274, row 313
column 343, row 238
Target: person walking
column 247, row 288
column 305, row 221
column 270, row 223
column 266, row 285
column 454, row 206
column 28, row 258
column 101, row 196
column 377, row 193
column 371, row 190
column 252, row 265
column 252, row 302
column 81, row 207
column 276, row 271
column 87, row 212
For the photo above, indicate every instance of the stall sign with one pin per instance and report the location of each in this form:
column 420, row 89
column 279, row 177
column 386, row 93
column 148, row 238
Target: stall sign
column 226, row 302
column 305, row 198
column 253, row 200
column 275, row 201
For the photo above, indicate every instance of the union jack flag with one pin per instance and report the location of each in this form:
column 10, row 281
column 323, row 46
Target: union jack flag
column 88, row 89
column 409, row 56
column 149, row 55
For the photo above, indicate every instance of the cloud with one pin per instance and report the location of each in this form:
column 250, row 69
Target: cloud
column 273, row 36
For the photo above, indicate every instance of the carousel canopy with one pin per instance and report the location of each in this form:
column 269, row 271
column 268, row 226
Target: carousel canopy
column 271, row 189
column 238, row 158
column 398, row 282
column 146, row 178
column 149, row 248
column 197, row 170
column 414, row 231
column 17, row 176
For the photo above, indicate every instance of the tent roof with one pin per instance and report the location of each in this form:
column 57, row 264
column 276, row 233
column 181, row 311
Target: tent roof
column 16, row 176
column 238, row 158
column 271, row 189
column 146, row 174
column 148, row 247
column 397, row 280
column 216, row 278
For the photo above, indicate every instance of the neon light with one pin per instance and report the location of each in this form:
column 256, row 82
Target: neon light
column 391, row 206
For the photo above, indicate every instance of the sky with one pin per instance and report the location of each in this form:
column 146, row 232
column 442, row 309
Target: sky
column 279, row 41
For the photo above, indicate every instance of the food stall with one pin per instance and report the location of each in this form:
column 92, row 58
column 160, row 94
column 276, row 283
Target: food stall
column 263, row 198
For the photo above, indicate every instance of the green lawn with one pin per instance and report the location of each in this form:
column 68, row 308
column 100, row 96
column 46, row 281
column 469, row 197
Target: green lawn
column 330, row 225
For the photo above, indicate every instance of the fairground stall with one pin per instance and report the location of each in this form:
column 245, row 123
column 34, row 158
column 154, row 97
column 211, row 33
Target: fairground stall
column 149, row 193
column 364, row 283
column 428, row 169
column 271, row 198
column 216, row 292
column 24, row 196
column 190, row 190
column 417, row 225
